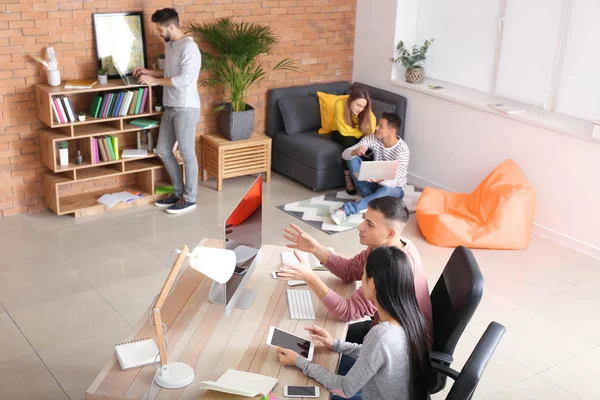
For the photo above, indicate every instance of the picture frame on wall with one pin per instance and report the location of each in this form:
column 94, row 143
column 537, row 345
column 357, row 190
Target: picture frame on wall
column 120, row 40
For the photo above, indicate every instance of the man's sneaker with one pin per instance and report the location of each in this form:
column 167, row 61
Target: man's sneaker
column 167, row 201
column 338, row 215
column 182, row 206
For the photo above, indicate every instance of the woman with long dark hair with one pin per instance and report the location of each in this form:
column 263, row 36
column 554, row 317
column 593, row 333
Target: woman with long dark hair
column 352, row 118
column 393, row 361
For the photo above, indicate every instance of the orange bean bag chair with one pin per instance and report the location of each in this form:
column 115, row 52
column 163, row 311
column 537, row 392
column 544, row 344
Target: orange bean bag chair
column 497, row 215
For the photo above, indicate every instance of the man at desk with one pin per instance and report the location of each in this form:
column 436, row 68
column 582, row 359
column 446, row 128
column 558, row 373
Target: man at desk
column 384, row 222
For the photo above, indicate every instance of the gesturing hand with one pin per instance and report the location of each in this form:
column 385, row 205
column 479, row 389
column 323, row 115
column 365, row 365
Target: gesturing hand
column 302, row 271
column 321, row 335
column 299, row 239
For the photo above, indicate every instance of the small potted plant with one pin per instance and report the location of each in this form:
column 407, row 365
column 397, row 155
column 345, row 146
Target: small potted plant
column 63, row 153
column 81, row 116
column 158, row 107
column 412, row 61
column 103, row 75
column 161, row 61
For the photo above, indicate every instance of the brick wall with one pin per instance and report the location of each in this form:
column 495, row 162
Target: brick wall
column 318, row 34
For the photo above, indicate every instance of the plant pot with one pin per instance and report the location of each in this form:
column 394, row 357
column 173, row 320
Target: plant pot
column 161, row 63
column 81, row 118
column 415, row 75
column 63, row 155
column 158, row 108
column 102, row 79
column 237, row 125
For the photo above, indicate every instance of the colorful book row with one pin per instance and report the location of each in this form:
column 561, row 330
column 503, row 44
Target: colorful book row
column 105, row 148
column 119, row 104
column 63, row 110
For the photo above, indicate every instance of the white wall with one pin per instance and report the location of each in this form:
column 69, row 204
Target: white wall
column 456, row 146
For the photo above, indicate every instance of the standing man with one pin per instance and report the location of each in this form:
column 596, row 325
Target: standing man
column 181, row 109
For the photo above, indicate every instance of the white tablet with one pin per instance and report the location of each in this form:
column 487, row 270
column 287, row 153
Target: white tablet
column 284, row 339
column 377, row 170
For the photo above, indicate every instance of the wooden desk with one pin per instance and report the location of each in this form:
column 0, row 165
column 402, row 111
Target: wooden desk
column 199, row 334
column 224, row 158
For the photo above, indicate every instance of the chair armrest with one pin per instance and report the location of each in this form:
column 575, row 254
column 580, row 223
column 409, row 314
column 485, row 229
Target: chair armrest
column 444, row 369
column 441, row 357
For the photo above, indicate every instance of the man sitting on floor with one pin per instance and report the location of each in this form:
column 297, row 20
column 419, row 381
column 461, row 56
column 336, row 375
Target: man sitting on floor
column 384, row 221
column 386, row 146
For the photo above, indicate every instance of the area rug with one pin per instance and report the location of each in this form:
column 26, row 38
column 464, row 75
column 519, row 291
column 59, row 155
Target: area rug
column 315, row 211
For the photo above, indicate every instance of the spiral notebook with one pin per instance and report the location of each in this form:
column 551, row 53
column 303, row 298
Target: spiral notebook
column 136, row 353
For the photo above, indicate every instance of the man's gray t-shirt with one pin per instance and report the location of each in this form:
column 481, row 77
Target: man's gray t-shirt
column 182, row 65
column 381, row 371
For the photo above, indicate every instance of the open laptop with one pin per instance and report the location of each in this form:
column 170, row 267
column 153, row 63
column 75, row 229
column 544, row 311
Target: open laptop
column 128, row 80
column 377, row 170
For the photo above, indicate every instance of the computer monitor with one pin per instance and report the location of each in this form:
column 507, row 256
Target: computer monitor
column 243, row 235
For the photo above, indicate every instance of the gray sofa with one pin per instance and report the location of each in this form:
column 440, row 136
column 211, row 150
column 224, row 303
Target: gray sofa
column 293, row 121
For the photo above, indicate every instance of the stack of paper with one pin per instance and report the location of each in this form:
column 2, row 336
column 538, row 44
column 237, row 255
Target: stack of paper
column 288, row 257
column 137, row 353
column 242, row 384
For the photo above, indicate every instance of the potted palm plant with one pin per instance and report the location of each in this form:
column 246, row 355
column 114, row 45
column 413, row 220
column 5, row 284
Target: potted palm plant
column 412, row 61
column 231, row 59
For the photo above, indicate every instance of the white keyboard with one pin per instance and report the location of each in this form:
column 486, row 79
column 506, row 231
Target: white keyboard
column 300, row 304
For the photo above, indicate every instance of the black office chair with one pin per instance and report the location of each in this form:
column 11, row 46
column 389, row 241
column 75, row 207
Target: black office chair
column 467, row 380
column 454, row 300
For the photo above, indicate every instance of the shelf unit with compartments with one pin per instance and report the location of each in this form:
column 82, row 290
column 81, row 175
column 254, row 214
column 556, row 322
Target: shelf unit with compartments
column 75, row 189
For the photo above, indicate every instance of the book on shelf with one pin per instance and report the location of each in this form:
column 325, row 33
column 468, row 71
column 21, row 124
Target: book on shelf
column 70, row 113
column 137, row 353
column 115, row 145
column 133, row 103
column 95, row 158
column 139, row 101
column 95, row 105
column 134, row 153
column 143, row 103
column 80, row 84
column 59, row 110
column 163, row 189
column 55, row 111
column 144, row 123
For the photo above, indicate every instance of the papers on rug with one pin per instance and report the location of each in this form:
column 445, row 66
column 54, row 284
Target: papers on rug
column 137, row 353
column 242, row 384
column 288, row 257
column 112, row 199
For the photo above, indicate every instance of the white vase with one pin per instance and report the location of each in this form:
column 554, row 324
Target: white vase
column 63, row 157
column 102, row 79
column 53, row 76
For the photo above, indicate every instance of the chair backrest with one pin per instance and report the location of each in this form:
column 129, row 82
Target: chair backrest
column 384, row 101
column 454, row 300
column 469, row 377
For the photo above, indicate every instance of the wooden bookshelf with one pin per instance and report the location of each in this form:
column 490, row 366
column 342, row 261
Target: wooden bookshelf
column 74, row 189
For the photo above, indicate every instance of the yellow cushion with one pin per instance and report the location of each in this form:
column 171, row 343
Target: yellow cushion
column 327, row 106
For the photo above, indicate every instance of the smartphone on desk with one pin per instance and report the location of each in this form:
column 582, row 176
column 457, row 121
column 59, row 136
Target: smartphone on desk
column 301, row 391
column 240, row 271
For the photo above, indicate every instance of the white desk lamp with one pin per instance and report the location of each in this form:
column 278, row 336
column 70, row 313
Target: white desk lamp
column 216, row 264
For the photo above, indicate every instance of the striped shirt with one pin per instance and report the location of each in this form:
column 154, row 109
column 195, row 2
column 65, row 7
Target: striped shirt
column 398, row 152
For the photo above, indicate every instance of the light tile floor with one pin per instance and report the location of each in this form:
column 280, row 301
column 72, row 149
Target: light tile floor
column 70, row 289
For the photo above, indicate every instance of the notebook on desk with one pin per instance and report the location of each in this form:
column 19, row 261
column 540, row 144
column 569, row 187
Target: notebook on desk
column 137, row 353
column 242, row 383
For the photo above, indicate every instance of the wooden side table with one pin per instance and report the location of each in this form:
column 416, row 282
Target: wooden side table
column 224, row 159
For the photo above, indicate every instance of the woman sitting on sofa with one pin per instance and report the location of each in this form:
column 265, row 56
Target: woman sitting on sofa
column 351, row 122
